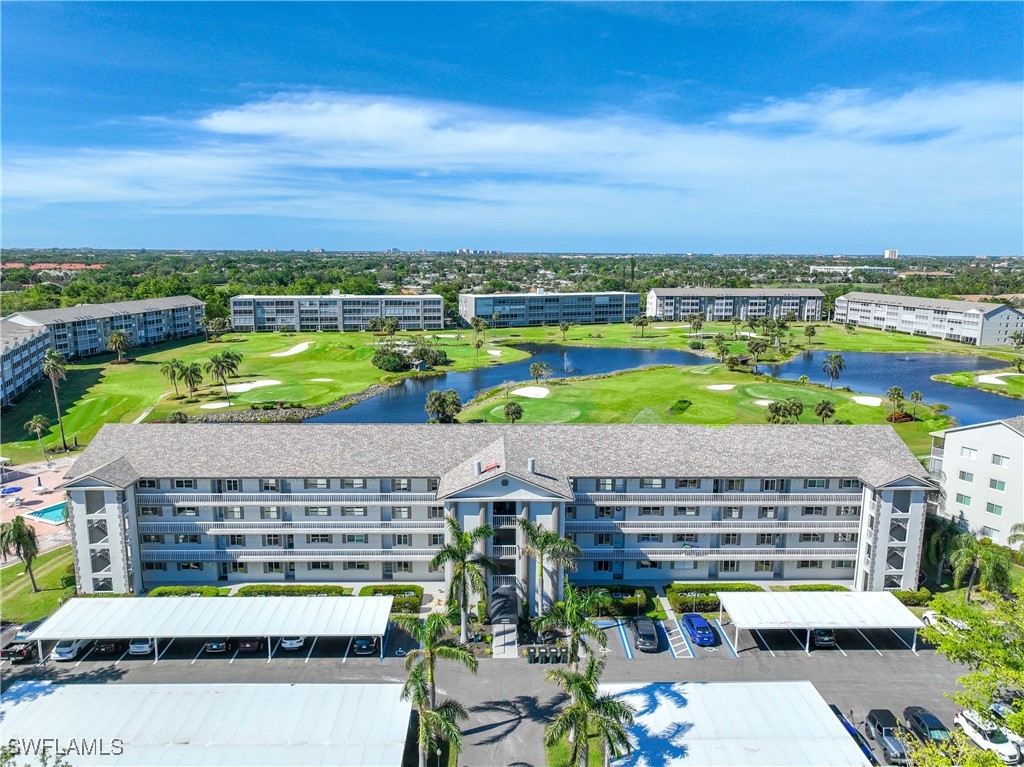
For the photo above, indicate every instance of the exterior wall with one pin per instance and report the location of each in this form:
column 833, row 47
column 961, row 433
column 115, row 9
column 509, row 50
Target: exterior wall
column 963, row 462
column 334, row 312
column 104, row 540
column 534, row 309
column 21, row 366
column 953, row 324
column 718, row 306
column 891, row 535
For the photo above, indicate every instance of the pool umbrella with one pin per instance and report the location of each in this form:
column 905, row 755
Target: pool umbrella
column 9, row 490
column 39, row 481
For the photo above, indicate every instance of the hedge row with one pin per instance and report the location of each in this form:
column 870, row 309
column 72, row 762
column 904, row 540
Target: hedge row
column 681, row 595
column 401, row 604
column 919, row 598
column 185, row 591
column 818, row 587
column 291, row 590
column 634, row 604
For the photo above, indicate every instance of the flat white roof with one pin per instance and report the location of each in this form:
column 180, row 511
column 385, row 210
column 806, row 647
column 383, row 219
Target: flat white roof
column 290, row 725
column 734, row 724
column 210, row 617
column 817, row 610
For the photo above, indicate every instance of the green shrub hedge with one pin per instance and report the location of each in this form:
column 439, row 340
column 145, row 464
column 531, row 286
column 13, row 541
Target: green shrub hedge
column 184, row 591
column 818, row 587
column 402, row 604
column 919, row 598
column 680, row 595
column 637, row 603
column 291, row 590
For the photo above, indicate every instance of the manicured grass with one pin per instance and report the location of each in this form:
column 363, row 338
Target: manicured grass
column 20, row 603
column 1013, row 387
column 558, row 754
column 613, row 399
column 97, row 392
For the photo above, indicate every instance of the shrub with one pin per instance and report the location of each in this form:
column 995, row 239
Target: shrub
column 402, row 604
column 818, row 587
column 389, row 359
column 184, row 591
column 635, row 603
column 899, row 417
column 177, row 417
column 680, row 406
column 68, row 582
column 681, row 595
column 696, row 345
column 918, row 598
column 291, row 590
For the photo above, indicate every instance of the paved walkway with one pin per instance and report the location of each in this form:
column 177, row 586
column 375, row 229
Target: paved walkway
column 28, row 477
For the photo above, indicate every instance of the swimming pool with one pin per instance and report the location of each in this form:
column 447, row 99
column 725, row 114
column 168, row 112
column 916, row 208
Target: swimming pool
column 51, row 515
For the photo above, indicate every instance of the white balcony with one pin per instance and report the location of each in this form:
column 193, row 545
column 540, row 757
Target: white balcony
column 504, row 520
column 505, row 552
column 283, row 499
column 239, row 527
column 715, row 499
column 632, row 527
column 724, row 553
column 352, row 554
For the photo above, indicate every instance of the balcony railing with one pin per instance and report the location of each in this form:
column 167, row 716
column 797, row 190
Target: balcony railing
column 505, row 552
column 629, row 527
column 725, row 553
column 715, row 499
column 504, row 520
column 231, row 527
column 283, row 499
column 289, row 555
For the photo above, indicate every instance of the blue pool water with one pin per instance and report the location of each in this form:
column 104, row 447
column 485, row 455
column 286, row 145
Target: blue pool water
column 52, row 515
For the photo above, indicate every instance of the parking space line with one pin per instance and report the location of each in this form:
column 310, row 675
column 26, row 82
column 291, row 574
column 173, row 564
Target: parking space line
column 668, row 640
column 841, row 649
column 682, row 633
column 677, row 644
column 274, row 650
column 350, row 641
column 903, row 641
column 311, row 646
column 84, row 657
column 625, row 640
column 121, row 658
column 725, row 638
column 384, row 648
column 801, row 642
column 201, row 649
column 869, row 642
column 156, row 649
column 235, row 655
column 767, row 646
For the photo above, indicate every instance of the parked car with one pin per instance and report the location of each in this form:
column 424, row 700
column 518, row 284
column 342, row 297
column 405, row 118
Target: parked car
column 823, row 637
column 645, row 635
column 26, row 631
column 250, row 644
column 68, row 649
column 140, row 647
column 924, row 724
column 942, row 623
column 216, row 645
column 699, row 629
column 884, row 728
column 108, row 646
column 852, row 731
column 987, row 735
column 20, row 652
column 366, row 646
column 292, row 643
column 1000, row 710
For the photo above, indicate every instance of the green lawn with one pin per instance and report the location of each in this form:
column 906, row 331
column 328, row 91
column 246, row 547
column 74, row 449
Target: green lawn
column 1014, row 386
column 558, row 754
column 20, row 604
column 97, row 392
column 613, row 399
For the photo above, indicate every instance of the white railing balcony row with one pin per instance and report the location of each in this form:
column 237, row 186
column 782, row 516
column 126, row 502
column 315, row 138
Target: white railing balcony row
column 497, row 581
column 232, row 527
column 632, row 527
column 504, row 552
column 504, row 520
column 716, row 499
column 724, row 553
column 300, row 498
column 289, row 555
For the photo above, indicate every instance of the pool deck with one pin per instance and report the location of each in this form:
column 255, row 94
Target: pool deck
column 50, row 536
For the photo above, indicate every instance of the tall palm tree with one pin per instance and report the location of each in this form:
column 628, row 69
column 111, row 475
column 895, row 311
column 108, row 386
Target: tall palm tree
column 942, row 534
column 573, row 616
column 513, row 412
column 435, row 724
column 564, row 327
column 824, row 409
column 55, row 367
column 548, row 548
column 833, row 366
column 736, row 322
column 171, row 370
column 987, row 565
column 468, row 567
column 120, row 342
column 234, row 359
column 432, row 636
column 219, row 367
column 192, row 376
column 588, row 711
column 1016, row 536
column 18, row 538
column 895, row 396
column 37, row 426
column 916, row 397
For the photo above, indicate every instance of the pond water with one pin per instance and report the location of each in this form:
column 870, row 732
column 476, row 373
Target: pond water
column 867, row 372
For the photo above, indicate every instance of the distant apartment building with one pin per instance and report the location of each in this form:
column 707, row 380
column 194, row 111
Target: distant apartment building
column 516, row 310
column 335, row 312
column 891, row 254
column 717, row 304
column 22, row 363
column 981, row 471
column 189, row 504
column 972, row 322
column 849, row 270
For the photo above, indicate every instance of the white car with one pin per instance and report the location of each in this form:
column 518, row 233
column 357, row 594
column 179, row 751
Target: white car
column 68, row 649
column 999, row 712
column 941, row 622
column 140, row 647
column 991, row 737
column 292, row 643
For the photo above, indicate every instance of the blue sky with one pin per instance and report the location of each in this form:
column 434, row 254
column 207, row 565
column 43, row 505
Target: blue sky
column 647, row 127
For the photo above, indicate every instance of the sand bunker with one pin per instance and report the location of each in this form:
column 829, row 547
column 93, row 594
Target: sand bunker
column 996, row 378
column 747, row 334
column 870, row 401
column 533, row 392
column 214, row 405
column 321, row 380
column 494, row 352
column 243, row 387
column 763, row 402
column 298, row 348
column 721, row 387
column 445, row 335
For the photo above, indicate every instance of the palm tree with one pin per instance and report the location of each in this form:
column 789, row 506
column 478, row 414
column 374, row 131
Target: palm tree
column 435, row 724
column 192, row 376
column 989, row 566
column 572, row 616
column 833, row 366
column 548, row 548
column 468, row 566
column 810, row 331
column 219, row 367
column 434, row 643
column 757, row 347
column 564, row 327
column 943, row 533
column 234, row 359
column 696, row 323
column 120, row 342
column 824, row 409
column 1016, row 536
column 721, row 346
column 588, row 712
column 736, row 322
column 916, row 397
column 895, row 396
column 38, row 426
column 55, row 368
column 477, row 345
column 171, row 370
column 18, row 538
column 513, row 412
column 540, row 370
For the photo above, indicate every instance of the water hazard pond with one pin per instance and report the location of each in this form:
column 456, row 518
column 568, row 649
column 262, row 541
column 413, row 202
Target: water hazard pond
column 870, row 373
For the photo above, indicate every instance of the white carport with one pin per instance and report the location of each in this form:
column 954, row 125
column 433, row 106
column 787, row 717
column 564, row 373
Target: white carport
column 808, row 610
column 210, row 725
column 216, row 617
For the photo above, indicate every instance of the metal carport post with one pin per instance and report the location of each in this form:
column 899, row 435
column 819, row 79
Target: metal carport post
column 807, row 644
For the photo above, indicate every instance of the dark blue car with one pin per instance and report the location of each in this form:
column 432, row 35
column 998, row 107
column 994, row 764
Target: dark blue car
column 700, row 630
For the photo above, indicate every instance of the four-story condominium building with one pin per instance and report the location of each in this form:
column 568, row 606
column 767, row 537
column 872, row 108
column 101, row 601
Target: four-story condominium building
column 717, row 304
column 971, row 322
column 22, row 364
column 335, row 312
column 516, row 310
column 185, row 504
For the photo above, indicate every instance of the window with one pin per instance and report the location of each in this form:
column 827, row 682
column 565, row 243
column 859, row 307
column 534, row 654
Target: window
column 606, row 485
column 237, row 567
column 353, row 511
column 730, row 539
column 401, row 485
column 849, row 484
column 646, row 564
column 161, row 566
column 605, row 512
column 319, row 538
column 401, row 512
column 812, row 511
column 232, row 485
column 402, row 567
column 969, row 453
column 401, row 540
column 268, row 485
column 997, row 484
column 356, row 566
column 270, row 512
column 812, row 483
column 684, row 565
column 315, row 484
column 845, row 538
column 734, row 485
column 687, row 483
column 435, row 512
column 321, row 565
column 767, row 512
column 732, row 512
column 769, row 485
column 236, row 540
column 812, row 537
column 809, row 564
column 149, row 538
column 847, row 511
column 687, row 511
column 437, row 539
column 989, row 532
column 186, row 511
column 602, row 539
column 767, row 539
column 893, row 582
column 994, row 508
column 602, row 566
column 1000, row 460
column 318, row 511
column 649, row 538
column 432, row 484
column 356, row 538
column 150, row 511
column 764, row 566
column 184, row 484
column 842, row 564
column 652, row 511
column 273, row 567
column 182, row 566
column 186, row 539
column 232, row 512
column 651, row 483
column 271, row 540
column 963, row 499
column 966, row 476
column 729, row 566
column 149, row 484
column 351, row 483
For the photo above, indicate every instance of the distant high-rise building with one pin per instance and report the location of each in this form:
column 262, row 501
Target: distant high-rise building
column 892, row 253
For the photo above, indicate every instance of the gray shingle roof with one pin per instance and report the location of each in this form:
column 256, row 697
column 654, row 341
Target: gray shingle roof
column 738, row 292
column 1017, row 424
column 875, row 454
column 944, row 304
column 14, row 333
column 100, row 311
